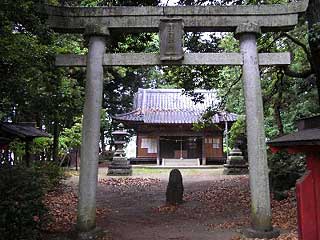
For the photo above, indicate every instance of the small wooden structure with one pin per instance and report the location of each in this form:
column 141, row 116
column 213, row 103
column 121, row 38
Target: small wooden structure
column 306, row 140
column 163, row 120
column 24, row 131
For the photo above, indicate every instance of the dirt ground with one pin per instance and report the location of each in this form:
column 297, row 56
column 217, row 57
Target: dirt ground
column 134, row 207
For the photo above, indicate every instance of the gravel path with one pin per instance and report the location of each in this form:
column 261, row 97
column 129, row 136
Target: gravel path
column 135, row 206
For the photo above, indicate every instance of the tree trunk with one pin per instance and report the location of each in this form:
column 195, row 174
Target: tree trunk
column 55, row 148
column 277, row 116
column 313, row 18
column 277, row 104
column 102, row 139
column 27, row 155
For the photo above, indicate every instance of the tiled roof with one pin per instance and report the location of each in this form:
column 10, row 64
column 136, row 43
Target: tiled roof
column 4, row 140
column 308, row 134
column 21, row 130
column 171, row 106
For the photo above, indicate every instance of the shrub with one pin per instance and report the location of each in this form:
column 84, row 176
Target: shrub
column 50, row 173
column 21, row 207
column 22, row 212
column 285, row 169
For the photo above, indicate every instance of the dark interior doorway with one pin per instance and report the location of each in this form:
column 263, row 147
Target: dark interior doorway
column 180, row 147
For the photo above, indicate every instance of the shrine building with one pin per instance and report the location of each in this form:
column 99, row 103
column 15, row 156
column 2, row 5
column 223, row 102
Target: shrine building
column 163, row 120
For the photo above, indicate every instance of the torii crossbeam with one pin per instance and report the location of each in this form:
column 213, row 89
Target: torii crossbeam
column 195, row 18
column 98, row 23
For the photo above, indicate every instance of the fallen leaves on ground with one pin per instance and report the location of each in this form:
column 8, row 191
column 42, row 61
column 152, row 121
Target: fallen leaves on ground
column 293, row 235
column 166, row 208
column 284, row 213
column 227, row 196
column 233, row 224
column 62, row 205
column 223, row 195
column 62, row 202
column 129, row 182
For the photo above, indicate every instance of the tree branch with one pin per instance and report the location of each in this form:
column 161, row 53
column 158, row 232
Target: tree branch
column 224, row 98
column 265, row 49
column 291, row 73
column 299, row 43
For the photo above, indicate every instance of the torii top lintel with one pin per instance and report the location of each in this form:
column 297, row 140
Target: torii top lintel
column 196, row 18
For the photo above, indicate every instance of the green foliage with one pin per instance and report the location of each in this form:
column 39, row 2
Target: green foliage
column 195, row 77
column 237, row 131
column 18, row 147
column 22, row 15
column 22, row 212
column 70, row 138
column 32, row 88
column 50, row 174
column 285, row 169
column 40, row 145
column 314, row 33
column 21, row 206
column 205, row 120
column 229, row 44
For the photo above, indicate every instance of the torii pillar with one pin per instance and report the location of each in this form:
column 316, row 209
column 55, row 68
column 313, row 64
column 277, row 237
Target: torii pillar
column 86, row 219
column 257, row 155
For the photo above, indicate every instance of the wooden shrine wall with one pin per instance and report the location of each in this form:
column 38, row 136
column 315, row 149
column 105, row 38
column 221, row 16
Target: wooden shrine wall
column 213, row 146
column 146, row 146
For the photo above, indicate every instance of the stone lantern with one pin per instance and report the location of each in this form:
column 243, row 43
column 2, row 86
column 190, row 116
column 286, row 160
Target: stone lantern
column 120, row 165
column 236, row 164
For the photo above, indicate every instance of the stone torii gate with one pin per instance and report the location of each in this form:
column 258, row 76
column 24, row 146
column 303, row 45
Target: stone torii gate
column 100, row 23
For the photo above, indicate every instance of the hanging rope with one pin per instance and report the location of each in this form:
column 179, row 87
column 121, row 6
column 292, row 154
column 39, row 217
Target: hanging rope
column 180, row 140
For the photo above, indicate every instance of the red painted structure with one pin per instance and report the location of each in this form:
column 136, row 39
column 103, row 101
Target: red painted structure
column 307, row 141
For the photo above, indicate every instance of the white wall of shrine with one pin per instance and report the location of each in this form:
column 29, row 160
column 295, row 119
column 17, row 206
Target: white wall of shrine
column 131, row 148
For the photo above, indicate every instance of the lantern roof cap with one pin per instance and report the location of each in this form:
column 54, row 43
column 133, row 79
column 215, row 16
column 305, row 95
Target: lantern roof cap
column 120, row 130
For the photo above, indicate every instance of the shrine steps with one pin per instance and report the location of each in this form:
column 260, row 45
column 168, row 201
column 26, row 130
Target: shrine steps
column 173, row 162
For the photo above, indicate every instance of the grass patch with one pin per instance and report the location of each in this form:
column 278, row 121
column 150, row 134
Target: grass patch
column 184, row 172
column 152, row 171
column 69, row 172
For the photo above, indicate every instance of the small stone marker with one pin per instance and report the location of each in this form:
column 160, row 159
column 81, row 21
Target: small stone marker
column 175, row 189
